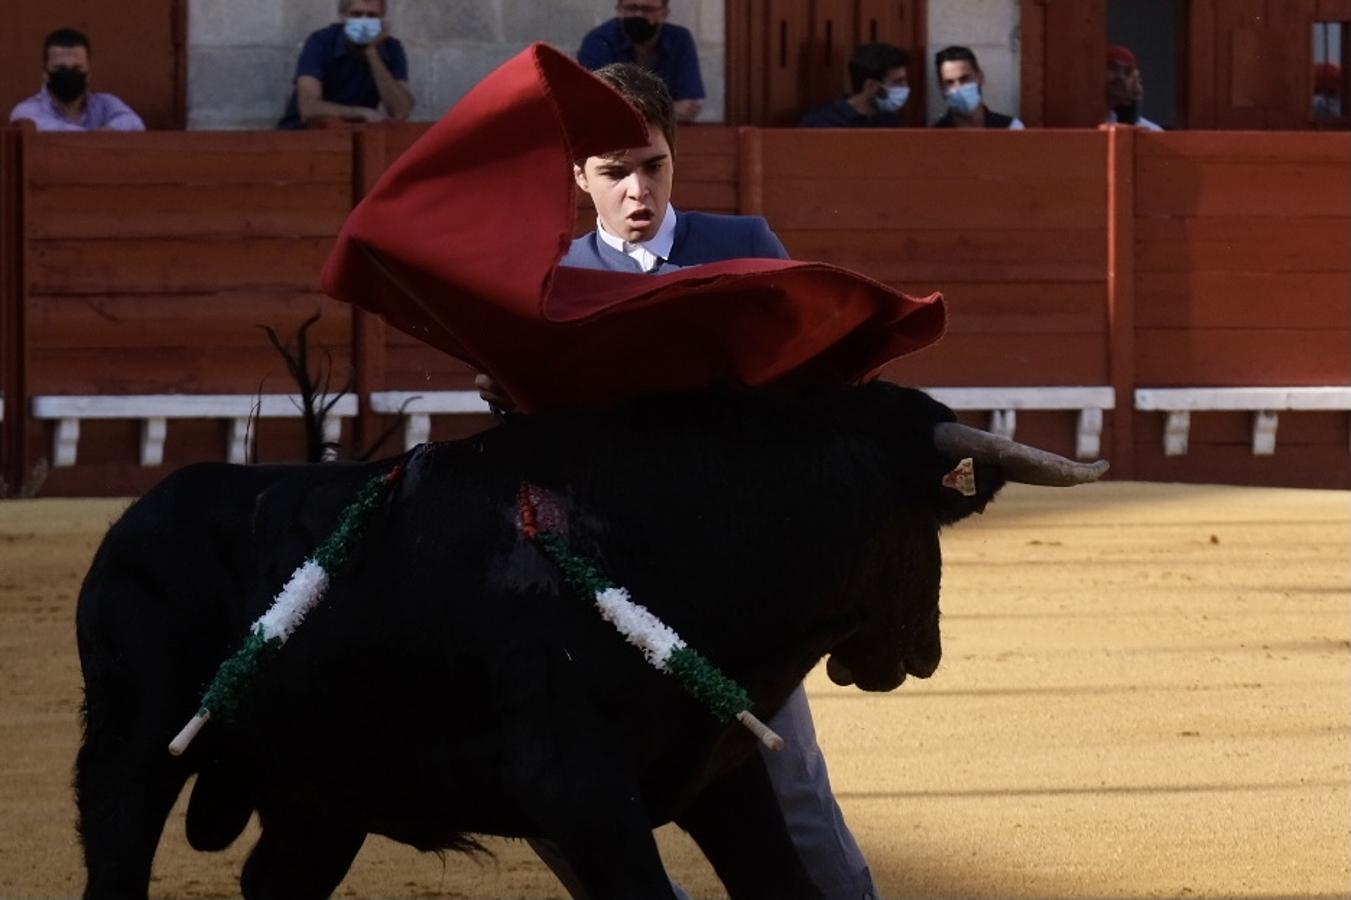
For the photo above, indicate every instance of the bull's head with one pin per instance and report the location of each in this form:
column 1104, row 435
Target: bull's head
column 898, row 632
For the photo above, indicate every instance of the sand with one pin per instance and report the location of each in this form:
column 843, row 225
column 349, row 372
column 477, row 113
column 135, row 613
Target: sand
column 1144, row 693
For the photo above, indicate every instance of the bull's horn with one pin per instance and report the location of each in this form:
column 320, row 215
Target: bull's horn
column 1020, row 463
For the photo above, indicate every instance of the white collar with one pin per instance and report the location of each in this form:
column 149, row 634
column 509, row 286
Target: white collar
column 648, row 254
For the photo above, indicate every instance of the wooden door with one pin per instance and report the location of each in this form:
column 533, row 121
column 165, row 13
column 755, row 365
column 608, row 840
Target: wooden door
column 1064, row 43
column 139, row 52
column 1250, row 62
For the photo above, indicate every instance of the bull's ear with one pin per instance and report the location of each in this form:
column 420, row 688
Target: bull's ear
column 954, row 505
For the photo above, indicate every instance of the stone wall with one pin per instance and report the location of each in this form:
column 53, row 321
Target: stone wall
column 242, row 53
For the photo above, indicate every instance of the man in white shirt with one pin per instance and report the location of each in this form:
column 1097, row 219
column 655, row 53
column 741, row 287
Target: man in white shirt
column 1125, row 90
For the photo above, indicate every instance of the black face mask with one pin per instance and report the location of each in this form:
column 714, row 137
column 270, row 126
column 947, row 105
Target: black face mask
column 67, row 85
column 639, row 29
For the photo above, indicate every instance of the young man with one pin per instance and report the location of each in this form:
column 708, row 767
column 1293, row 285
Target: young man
column 65, row 102
column 353, row 69
column 639, row 33
column 879, row 78
column 1125, row 90
column 637, row 230
column 963, row 83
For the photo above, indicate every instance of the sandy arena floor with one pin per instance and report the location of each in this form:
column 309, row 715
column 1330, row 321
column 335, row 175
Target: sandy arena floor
column 1144, row 693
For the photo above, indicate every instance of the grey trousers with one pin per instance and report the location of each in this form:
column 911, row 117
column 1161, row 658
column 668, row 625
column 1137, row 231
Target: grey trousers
column 798, row 772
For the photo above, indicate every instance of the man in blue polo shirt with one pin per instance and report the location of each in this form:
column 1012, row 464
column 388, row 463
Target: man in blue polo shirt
column 353, row 70
column 640, row 34
column 879, row 77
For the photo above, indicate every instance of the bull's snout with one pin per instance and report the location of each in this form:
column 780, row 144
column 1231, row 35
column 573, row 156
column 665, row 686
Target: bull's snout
column 842, row 675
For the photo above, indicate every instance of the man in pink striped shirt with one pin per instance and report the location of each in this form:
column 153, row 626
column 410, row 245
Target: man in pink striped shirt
column 65, row 102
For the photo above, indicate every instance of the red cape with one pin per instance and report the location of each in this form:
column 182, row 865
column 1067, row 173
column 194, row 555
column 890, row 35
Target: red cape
column 458, row 244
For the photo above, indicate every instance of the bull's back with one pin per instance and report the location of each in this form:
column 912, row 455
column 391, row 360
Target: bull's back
column 169, row 578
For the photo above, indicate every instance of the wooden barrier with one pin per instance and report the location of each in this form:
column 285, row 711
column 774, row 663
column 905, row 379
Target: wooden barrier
column 1108, row 260
column 1241, row 280
column 152, row 262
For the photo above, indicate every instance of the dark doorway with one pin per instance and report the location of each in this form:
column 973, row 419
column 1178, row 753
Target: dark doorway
column 1153, row 30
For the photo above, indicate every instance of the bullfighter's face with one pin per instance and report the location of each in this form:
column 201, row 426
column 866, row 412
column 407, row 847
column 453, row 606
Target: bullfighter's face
column 630, row 190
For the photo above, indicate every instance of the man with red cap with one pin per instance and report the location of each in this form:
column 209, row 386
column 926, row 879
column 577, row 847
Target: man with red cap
column 1125, row 90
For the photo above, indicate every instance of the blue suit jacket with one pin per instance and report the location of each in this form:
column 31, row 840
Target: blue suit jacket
column 699, row 238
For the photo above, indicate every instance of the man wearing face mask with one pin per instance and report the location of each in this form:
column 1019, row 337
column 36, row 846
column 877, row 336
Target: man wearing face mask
column 640, row 34
column 879, row 79
column 352, row 70
column 1125, row 90
column 65, row 102
column 962, row 83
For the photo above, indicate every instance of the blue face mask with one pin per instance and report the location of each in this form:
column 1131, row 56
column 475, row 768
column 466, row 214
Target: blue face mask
column 964, row 99
column 894, row 98
column 361, row 30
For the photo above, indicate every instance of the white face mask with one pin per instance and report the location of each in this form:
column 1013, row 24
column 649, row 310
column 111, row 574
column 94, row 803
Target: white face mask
column 360, row 30
column 895, row 98
column 964, row 99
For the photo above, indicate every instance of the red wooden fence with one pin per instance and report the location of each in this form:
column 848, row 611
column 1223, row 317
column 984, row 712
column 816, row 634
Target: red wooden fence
column 142, row 264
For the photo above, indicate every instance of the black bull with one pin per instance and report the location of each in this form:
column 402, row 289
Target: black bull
column 450, row 684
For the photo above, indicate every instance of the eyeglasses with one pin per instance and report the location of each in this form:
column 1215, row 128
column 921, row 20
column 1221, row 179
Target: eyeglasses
column 641, row 9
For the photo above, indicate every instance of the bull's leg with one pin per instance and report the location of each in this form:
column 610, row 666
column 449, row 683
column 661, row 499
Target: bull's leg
column 125, row 781
column 124, row 793
column 609, row 846
column 298, row 858
column 564, row 768
column 737, row 823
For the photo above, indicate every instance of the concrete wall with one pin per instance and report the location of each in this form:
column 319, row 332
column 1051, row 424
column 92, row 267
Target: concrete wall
column 242, row 53
column 991, row 29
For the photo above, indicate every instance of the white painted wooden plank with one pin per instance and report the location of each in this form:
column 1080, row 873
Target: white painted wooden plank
column 1088, row 434
column 1264, row 432
column 1175, row 433
column 1244, row 398
column 177, row 406
column 237, row 444
column 65, row 442
column 991, row 398
column 332, row 435
column 392, row 402
column 153, row 431
column 1004, row 422
column 417, row 427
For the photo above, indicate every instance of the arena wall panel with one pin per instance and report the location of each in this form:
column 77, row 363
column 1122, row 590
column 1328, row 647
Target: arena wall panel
column 1243, row 278
column 145, row 264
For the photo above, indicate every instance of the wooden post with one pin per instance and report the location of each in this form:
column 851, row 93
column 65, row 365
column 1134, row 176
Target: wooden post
column 1074, row 43
column 1121, row 293
column 368, row 330
column 750, row 178
column 13, row 301
column 1032, row 100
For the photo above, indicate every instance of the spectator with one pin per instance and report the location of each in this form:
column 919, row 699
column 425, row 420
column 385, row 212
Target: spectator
column 1327, row 90
column 350, row 70
column 879, row 79
column 1125, row 90
column 65, row 102
column 963, row 83
column 640, row 34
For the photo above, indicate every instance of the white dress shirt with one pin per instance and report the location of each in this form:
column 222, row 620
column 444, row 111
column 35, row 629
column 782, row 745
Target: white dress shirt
column 648, row 254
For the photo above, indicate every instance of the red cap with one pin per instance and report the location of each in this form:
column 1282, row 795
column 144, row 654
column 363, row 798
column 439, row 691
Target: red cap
column 1116, row 53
